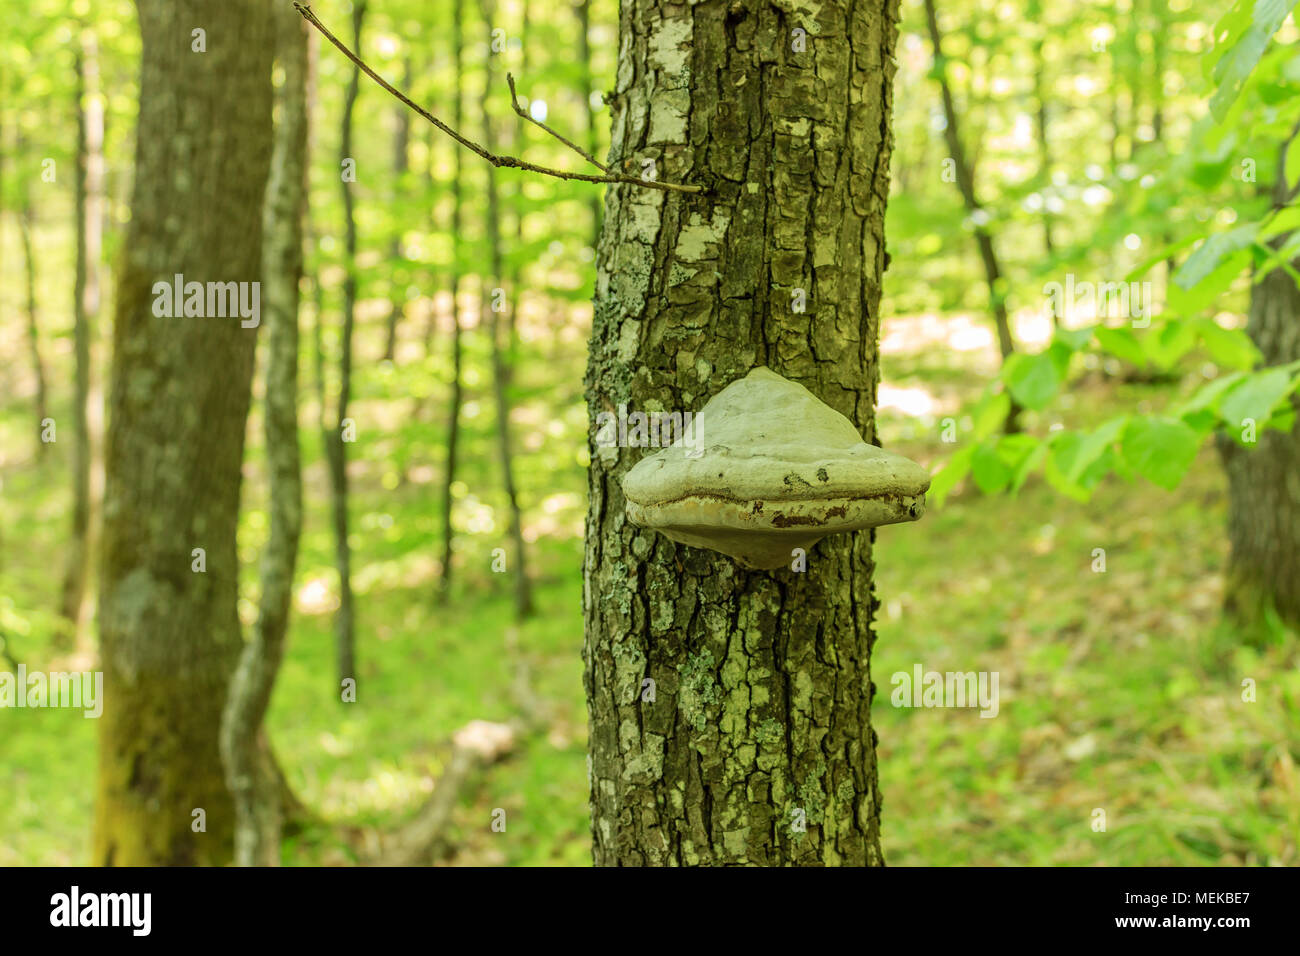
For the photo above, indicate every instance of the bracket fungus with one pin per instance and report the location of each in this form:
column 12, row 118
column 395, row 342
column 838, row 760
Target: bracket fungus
column 770, row 468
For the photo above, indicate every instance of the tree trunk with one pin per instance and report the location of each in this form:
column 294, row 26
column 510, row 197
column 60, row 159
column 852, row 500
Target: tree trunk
column 455, row 398
column 89, row 226
column 500, row 374
column 336, row 447
column 249, row 772
column 966, row 184
column 1264, row 481
column 758, row 717
column 26, row 220
column 1040, row 129
column 180, row 393
column 520, row 148
column 401, row 163
column 433, row 137
column 583, row 10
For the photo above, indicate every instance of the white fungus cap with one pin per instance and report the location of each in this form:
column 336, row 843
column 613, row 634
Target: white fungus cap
column 779, row 470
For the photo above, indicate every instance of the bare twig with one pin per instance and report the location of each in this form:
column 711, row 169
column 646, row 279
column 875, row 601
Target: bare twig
column 508, row 162
column 514, row 101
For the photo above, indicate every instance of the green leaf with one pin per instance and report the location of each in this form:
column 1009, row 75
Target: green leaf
column 989, row 471
column 1243, row 46
column 1093, row 446
column 1288, row 219
column 947, row 477
column 1185, row 302
column 1255, row 396
column 1207, row 396
column 1072, row 339
column 1027, row 464
column 1064, row 449
column 1169, row 343
column 1145, row 266
column 996, row 463
column 1228, row 347
column 1032, row 379
column 1212, row 251
column 1160, row 449
column 1123, row 344
column 989, row 414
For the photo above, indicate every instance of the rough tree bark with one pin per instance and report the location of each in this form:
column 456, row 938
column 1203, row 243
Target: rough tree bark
column 169, row 635
column 760, row 711
column 500, row 375
column 336, row 448
column 251, row 778
column 1264, row 481
column 89, row 213
column 965, row 175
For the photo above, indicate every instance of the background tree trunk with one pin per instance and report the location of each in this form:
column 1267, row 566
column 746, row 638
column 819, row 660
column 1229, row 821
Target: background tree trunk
column 89, row 230
column 965, row 174
column 1264, row 481
column 455, row 398
column 500, row 372
column 583, row 11
column 249, row 771
column 1039, row 67
column 401, row 163
column 178, row 405
column 26, row 221
column 336, row 447
column 762, row 684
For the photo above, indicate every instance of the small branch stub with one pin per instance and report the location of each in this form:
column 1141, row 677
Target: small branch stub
column 779, row 470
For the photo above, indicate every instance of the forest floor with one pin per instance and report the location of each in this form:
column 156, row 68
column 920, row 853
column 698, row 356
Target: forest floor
column 1120, row 691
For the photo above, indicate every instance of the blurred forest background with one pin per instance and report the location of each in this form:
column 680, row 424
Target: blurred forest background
column 1050, row 140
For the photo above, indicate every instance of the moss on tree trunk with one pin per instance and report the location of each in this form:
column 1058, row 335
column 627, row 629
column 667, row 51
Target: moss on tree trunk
column 179, row 400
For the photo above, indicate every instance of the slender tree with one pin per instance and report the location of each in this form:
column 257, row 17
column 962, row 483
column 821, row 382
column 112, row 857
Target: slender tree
column 754, row 742
column 516, row 272
column 1035, row 15
column 336, row 446
column 252, row 782
column 401, row 163
column 583, row 10
column 491, row 307
column 26, row 222
column 169, row 629
column 965, row 175
column 454, row 398
column 85, row 310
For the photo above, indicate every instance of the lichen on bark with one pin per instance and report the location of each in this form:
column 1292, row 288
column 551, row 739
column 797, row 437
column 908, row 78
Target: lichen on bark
column 761, row 711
